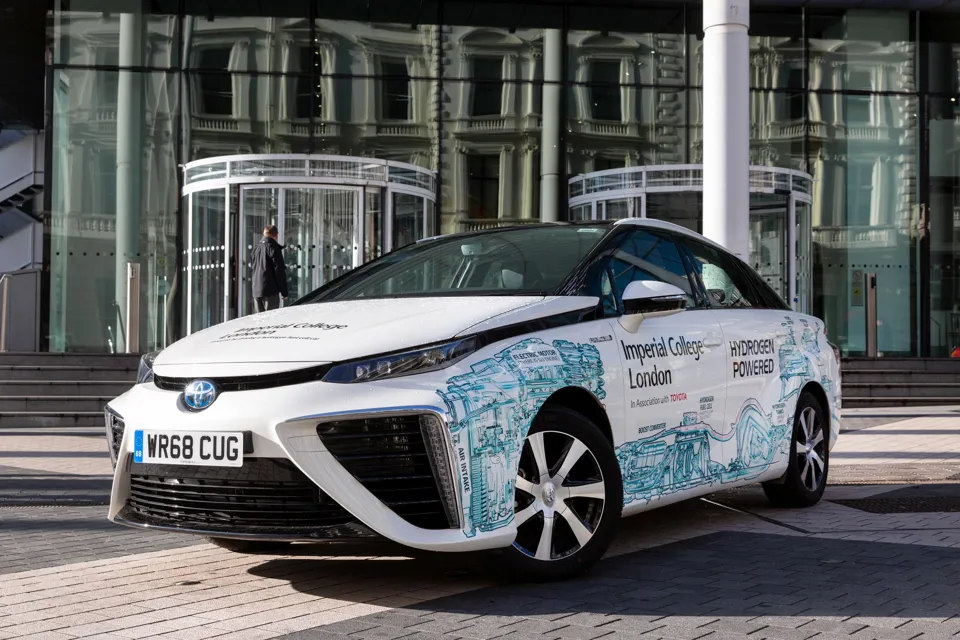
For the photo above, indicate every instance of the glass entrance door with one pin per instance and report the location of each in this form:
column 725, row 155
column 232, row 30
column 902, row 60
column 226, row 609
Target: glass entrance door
column 319, row 229
column 768, row 240
column 803, row 250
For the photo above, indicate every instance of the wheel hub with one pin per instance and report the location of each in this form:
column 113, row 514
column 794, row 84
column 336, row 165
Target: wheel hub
column 549, row 494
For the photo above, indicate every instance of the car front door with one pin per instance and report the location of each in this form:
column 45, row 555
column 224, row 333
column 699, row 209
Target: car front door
column 757, row 339
column 673, row 379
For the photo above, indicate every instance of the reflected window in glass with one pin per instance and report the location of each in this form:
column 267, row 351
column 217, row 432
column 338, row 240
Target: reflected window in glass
column 216, row 89
column 605, row 94
column 484, row 185
column 488, row 88
column 309, row 98
column 396, row 90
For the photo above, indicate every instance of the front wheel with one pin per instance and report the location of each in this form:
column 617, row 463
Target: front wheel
column 568, row 498
column 809, row 463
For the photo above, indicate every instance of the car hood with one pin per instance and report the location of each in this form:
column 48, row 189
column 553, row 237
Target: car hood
column 337, row 331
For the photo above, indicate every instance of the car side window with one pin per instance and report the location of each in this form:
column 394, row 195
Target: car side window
column 767, row 294
column 649, row 256
column 725, row 283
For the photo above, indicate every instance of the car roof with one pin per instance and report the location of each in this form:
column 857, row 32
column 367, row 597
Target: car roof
column 670, row 226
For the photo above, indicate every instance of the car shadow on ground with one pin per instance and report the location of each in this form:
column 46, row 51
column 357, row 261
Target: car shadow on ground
column 729, row 581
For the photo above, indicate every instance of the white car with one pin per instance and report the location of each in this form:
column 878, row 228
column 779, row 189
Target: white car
column 518, row 389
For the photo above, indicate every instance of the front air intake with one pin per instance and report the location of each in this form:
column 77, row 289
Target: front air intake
column 265, row 496
column 115, row 427
column 403, row 460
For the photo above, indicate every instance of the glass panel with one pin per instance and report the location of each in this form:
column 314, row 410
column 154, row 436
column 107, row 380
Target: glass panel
column 939, row 40
column 861, row 49
column 863, row 215
column 652, row 129
column 339, row 234
column 494, row 43
column 944, row 216
column 408, row 219
column 208, row 229
column 684, row 209
column 215, row 40
column 92, row 185
column 768, row 240
column 91, row 35
column 621, row 208
column 299, row 240
column 223, row 120
column 260, row 207
column 373, row 225
column 805, row 257
column 777, row 128
column 581, row 213
column 776, row 48
column 599, row 43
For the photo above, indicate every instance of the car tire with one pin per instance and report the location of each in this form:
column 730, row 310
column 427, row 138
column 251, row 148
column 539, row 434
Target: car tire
column 248, row 546
column 577, row 500
column 807, row 470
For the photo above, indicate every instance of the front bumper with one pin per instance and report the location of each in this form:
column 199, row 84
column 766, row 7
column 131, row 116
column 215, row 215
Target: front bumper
column 317, row 479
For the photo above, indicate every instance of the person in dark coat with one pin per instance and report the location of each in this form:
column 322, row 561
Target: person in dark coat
column 269, row 273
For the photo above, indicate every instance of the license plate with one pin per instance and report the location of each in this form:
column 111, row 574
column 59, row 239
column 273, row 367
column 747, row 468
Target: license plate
column 200, row 448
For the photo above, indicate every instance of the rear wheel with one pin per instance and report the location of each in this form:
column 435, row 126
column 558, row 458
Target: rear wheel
column 568, row 499
column 249, row 546
column 809, row 464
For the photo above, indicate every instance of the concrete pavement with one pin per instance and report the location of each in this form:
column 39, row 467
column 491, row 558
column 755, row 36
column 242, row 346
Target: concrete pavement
column 879, row 559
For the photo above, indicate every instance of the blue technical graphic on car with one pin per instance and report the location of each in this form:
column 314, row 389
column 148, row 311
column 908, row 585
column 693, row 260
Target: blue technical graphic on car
column 493, row 406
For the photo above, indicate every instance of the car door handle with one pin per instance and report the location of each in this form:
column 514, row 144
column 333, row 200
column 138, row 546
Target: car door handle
column 712, row 340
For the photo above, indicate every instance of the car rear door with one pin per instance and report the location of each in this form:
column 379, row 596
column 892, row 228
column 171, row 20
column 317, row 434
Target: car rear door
column 756, row 337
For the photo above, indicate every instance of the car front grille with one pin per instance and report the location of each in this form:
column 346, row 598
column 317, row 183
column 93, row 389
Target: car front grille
column 397, row 460
column 264, row 496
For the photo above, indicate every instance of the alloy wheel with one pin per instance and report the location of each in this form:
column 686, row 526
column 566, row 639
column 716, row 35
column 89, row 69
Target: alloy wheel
column 811, row 449
column 559, row 498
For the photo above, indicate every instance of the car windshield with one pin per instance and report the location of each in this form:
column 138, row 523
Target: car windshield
column 515, row 261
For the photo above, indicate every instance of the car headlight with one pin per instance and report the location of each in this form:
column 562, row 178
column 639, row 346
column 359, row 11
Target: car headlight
column 145, row 370
column 395, row 365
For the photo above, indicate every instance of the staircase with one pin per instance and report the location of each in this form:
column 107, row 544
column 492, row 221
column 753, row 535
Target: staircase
column 900, row 382
column 61, row 390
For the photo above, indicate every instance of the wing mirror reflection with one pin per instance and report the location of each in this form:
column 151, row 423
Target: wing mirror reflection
column 650, row 299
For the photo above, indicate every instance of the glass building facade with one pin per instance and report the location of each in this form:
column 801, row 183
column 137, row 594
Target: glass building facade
column 864, row 100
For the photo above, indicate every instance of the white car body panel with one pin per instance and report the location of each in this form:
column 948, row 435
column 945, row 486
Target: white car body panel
column 726, row 429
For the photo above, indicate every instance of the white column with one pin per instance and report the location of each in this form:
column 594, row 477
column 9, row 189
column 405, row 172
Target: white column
column 550, row 151
column 726, row 123
column 130, row 114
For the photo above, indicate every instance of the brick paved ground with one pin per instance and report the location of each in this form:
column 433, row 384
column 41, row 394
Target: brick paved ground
column 725, row 567
column 40, row 537
column 717, row 586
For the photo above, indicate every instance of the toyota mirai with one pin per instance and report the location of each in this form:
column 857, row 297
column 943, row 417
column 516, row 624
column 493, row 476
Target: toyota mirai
column 519, row 389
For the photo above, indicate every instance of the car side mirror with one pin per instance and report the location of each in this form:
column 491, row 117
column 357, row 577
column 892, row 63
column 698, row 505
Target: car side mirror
column 650, row 299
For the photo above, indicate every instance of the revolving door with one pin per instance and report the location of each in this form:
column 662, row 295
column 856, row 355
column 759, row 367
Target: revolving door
column 781, row 243
column 332, row 213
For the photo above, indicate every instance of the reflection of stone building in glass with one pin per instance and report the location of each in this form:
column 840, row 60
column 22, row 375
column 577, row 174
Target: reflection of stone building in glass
column 840, row 98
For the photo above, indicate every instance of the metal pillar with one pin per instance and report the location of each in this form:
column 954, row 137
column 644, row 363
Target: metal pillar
column 550, row 152
column 130, row 114
column 871, row 315
column 726, row 124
